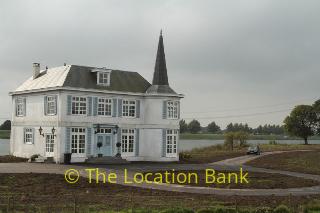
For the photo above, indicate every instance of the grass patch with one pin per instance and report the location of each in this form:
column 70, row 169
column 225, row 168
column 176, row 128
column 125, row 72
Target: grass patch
column 11, row 159
column 4, row 134
column 210, row 154
column 256, row 180
column 220, row 152
column 304, row 162
column 51, row 193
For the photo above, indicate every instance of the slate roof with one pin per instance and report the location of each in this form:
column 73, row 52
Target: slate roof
column 160, row 83
column 124, row 81
column 160, row 76
column 74, row 76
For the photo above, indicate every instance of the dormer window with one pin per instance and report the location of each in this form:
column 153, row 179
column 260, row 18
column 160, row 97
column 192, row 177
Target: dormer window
column 103, row 78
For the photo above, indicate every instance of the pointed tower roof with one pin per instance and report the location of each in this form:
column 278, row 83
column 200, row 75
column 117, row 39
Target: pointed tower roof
column 160, row 82
column 160, row 76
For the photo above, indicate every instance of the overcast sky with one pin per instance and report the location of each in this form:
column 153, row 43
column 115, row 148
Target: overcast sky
column 235, row 61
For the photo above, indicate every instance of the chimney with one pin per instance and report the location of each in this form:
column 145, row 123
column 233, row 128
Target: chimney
column 36, row 70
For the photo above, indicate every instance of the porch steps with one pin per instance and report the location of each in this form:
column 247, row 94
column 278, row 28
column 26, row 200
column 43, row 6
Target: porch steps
column 106, row 160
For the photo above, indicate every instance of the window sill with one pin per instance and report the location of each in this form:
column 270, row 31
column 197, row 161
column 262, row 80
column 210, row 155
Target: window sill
column 29, row 143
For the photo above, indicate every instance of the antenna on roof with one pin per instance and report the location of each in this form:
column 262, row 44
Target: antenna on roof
column 161, row 32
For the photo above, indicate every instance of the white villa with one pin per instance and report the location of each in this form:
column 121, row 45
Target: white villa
column 90, row 111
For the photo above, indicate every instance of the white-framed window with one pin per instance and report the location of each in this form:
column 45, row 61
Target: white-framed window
column 79, row 105
column 127, row 140
column 172, row 140
column 105, row 131
column 104, row 106
column 78, row 141
column 103, row 78
column 20, row 106
column 172, row 109
column 129, row 108
column 28, row 136
column 51, row 105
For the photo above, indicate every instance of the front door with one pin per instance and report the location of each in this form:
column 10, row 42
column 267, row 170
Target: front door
column 49, row 145
column 106, row 144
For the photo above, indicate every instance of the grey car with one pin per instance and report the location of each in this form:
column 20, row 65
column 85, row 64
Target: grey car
column 254, row 150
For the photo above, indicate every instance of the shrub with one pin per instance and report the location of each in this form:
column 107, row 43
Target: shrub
column 33, row 157
column 206, row 211
column 272, row 142
column 184, row 156
column 225, row 210
column 177, row 210
column 282, row 209
column 263, row 210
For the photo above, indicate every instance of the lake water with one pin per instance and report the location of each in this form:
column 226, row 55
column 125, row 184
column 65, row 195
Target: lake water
column 4, row 146
column 184, row 145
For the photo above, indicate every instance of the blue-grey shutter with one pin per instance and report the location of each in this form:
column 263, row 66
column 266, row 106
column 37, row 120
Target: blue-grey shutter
column 95, row 106
column 16, row 105
column 24, row 106
column 120, row 107
column 45, row 107
column 89, row 106
column 56, row 104
column 119, row 138
column 68, row 140
column 24, row 135
column 164, row 110
column 164, row 142
column 138, row 109
column 178, row 110
column 114, row 107
column 89, row 134
column 137, row 142
column 33, row 129
column 69, row 97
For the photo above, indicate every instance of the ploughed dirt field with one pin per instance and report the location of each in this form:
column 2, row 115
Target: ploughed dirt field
column 224, row 179
column 304, row 162
column 50, row 191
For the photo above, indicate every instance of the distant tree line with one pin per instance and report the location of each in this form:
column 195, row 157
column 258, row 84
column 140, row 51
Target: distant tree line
column 194, row 126
column 6, row 125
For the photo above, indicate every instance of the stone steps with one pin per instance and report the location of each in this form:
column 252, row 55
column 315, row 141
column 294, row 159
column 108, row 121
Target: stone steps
column 106, row 160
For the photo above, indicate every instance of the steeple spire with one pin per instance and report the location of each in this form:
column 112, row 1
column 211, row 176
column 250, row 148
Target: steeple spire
column 160, row 76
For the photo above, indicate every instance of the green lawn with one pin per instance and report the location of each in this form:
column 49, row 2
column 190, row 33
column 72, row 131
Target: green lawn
column 207, row 136
column 4, row 134
column 305, row 162
column 220, row 152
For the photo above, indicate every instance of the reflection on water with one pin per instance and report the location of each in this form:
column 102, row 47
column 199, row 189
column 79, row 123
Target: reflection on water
column 4, row 146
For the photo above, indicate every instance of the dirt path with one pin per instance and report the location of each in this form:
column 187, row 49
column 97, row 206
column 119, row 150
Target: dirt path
column 229, row 164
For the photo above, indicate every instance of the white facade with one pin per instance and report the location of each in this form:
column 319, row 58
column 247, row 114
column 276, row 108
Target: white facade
column 150, row 125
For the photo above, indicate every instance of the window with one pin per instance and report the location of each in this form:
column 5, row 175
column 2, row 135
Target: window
column 172, row 109
column 105, row 131
column 103, row 78
column 78, row 140
column 128, row 108
column 104, row 106
column 127, row 140
column 51, row 105
column 20, row 106
column 79, row 105
column 28, row 135
column 172, row 138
